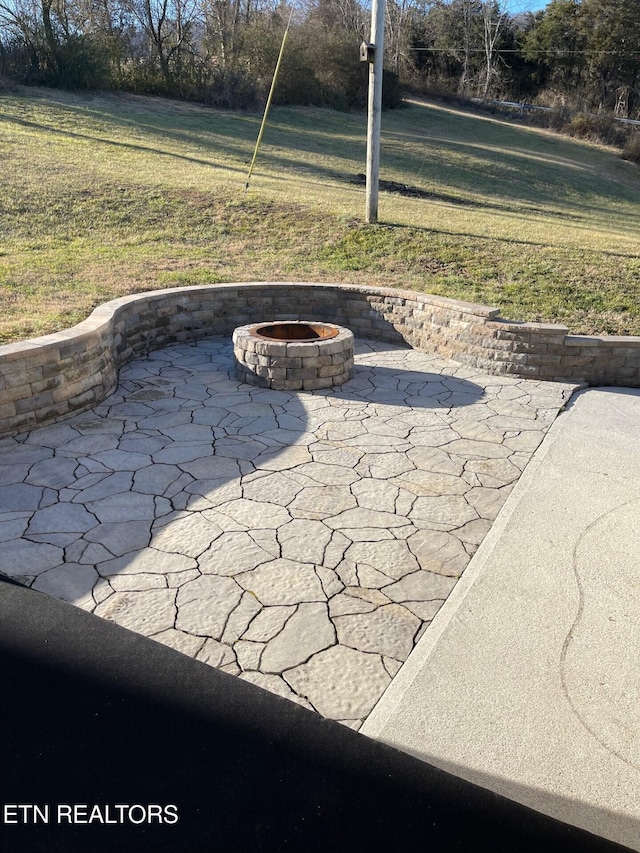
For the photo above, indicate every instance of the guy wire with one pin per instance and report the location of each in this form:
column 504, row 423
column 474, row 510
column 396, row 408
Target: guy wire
column 268, row 104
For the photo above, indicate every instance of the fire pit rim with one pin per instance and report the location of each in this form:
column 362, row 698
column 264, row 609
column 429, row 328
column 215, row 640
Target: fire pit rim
column 322, row 331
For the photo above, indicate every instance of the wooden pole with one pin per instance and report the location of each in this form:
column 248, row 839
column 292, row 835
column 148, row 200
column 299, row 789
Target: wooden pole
column 374, row 111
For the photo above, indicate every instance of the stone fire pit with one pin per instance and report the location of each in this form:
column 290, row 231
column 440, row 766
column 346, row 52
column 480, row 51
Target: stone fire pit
column 293, row 355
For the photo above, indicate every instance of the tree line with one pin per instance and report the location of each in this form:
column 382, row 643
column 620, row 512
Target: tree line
column 580, row 54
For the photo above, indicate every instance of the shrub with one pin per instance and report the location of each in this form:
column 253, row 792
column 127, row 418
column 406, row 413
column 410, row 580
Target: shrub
column 602, row 129
column 631, row 150
column 7, row 86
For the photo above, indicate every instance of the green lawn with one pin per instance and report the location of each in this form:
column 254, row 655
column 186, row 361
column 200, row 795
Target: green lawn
column 105, row 195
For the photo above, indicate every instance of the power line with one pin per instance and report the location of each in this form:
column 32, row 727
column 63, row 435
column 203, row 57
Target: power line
column 553, row 51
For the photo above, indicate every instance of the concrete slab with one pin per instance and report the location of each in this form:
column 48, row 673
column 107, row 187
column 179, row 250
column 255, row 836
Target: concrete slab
column 527, row 681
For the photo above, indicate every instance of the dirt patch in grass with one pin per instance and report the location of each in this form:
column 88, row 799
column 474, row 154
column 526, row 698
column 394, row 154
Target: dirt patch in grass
column 410, row 191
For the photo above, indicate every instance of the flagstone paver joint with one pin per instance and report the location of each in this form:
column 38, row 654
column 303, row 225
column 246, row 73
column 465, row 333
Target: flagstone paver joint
column 85, row 360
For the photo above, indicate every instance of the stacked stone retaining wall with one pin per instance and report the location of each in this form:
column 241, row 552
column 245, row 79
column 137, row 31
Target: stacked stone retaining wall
column 46, row 379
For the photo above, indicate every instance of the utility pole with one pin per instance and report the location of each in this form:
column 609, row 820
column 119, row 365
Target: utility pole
column 374, row 110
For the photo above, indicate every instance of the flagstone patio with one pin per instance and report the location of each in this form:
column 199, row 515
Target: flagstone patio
column 300, row 540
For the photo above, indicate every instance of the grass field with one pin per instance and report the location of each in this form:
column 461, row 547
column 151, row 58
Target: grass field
column 103, row 195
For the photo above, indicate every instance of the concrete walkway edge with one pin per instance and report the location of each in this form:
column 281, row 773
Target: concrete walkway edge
column 527, row 681
column 393, row 696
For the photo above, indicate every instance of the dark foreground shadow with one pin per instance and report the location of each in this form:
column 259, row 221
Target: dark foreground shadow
column 97, row 715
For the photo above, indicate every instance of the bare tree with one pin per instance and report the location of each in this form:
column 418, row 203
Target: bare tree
column 469, row 9
column 222, row 20
column 494, row 18
column 31, row 22
column 169, row 27
column 401, row 16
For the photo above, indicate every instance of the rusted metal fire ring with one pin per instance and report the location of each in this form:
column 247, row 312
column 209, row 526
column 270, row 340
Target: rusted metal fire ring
column 293, row 355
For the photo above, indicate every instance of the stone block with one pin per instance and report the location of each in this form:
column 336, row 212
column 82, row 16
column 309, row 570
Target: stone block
column 23, row 422
column 549, row 337
column 164, row 312
column 360, row 327
column 22, row 376
column 73, row 348
column 82, row 401
column 248, row 344
column 73, row 373
column 401, row 312
column 341, row 378
column 317, row 383
column 514, row 358
column 621, row 341
column 14, row 394
column 266, row 347
column 302, row 373
column 544, row 360
column 252, row 379
column 260, row 302
column 628, row 353
column 47, row 384
column 560, row 349
column 581, row 341
column 579, row 374
column 287, row 384
column 613, row 363
column 330, row 370
column 503, row 334
column 66, row 391
column 582, row 361
column 506, row 346
column 629, row 372
column 520, row 369
column 318, row 361
column 286, row 362
column 52, row 413
column 96, row 380
column 303, row 350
